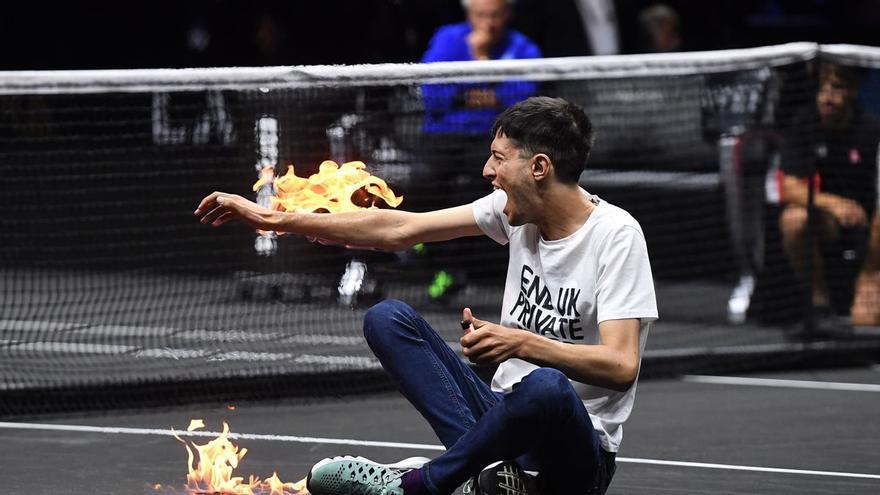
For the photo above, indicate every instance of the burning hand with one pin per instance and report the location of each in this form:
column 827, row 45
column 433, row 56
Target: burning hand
column 489, row 343
column 334, row 189
column 218, row 208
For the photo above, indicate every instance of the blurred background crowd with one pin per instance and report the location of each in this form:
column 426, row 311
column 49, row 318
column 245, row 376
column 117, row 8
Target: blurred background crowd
column 100, row 34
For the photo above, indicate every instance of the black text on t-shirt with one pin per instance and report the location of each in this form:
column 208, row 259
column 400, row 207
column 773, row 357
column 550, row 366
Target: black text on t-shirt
column 537, row 311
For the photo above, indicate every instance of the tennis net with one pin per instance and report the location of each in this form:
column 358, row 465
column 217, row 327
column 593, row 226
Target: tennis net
column 112, row 292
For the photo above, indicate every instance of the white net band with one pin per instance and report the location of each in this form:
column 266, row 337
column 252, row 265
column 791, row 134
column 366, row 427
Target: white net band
column 862, row 56
column 267, row 78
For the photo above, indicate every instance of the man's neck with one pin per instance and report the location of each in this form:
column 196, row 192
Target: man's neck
column 566, row 209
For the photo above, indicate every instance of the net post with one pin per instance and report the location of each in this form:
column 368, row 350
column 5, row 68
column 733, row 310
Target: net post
column 732, row 179
column 809, row 260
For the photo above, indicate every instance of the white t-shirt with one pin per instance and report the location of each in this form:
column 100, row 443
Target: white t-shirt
column 563, row 289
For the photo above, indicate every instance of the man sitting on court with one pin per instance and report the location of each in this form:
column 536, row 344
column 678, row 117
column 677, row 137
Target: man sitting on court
column 841, row 156
column 578, row 304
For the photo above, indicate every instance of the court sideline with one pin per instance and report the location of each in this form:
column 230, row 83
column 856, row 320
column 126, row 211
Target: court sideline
column 685, row 436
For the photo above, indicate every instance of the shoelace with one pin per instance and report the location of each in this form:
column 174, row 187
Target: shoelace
column 468, row 488
column 364, row 484
column 511, row 483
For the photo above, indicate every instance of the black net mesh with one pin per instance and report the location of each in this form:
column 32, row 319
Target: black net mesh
column 112, row 292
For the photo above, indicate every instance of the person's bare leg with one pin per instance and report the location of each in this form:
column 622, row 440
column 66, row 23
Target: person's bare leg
column 865, row 308
column 793, row 226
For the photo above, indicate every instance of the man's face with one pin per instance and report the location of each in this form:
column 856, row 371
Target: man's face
column 490, row 16
column 834, row 100
column 509, row 169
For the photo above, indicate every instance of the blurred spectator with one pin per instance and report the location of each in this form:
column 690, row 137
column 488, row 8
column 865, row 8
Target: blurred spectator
column 268, row 40
column 565, row 28
column 660, row 29
column 471, row 108
column 840, row 159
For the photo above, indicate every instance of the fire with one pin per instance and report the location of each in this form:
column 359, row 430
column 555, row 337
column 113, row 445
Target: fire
column 333, row 189
column 210, row 469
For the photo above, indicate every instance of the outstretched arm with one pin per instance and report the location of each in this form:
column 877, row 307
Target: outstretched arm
column 373, row 228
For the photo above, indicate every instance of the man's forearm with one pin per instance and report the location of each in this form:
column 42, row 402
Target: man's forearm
column 370, row 228
column 374, row 228
column 599, row 365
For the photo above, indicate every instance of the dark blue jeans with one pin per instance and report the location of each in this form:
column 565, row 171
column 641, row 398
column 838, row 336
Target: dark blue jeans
column 542, row 423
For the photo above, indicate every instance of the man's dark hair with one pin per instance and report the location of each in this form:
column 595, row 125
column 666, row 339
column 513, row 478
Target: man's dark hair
column 848, row 76
column 552, row 126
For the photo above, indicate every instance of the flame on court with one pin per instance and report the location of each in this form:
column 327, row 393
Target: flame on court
column 210, row 469
column 333, row 189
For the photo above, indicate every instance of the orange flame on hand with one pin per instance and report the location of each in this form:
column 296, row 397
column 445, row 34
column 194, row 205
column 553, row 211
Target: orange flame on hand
column 210, row 469
column 332, row 189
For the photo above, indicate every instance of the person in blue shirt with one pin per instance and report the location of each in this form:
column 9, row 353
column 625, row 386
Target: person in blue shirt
column 472, row 108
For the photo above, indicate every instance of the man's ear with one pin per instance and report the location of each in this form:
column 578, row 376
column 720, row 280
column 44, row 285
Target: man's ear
column 542, row 166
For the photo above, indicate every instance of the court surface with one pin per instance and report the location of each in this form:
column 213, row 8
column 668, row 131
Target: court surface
column 794, row 432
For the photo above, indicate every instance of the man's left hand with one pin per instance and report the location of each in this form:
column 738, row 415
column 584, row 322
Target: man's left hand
column 490, row 343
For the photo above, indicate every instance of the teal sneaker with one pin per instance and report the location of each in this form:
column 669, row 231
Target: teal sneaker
column 348, row 475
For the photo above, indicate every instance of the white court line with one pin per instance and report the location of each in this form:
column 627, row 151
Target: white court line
column 232, row 336
column 773, row 382
column 213, row 434
column 734, row 467
column 400, row 445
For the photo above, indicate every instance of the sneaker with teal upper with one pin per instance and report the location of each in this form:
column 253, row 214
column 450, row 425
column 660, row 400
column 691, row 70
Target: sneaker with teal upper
column 349, row 475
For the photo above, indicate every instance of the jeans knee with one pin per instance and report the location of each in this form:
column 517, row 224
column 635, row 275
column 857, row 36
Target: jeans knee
column 380, row 315
column 549, row 386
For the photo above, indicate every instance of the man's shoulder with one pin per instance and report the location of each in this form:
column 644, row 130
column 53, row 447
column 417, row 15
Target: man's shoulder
column 611, row 220
column 525, row 47
column 613, row 215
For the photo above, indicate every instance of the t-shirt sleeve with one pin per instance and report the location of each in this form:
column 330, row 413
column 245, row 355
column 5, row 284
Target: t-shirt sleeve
column 489, row 215
column 624, row 285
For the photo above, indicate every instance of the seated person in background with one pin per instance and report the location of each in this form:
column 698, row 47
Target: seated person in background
column 472, row 108
column 842, row 154
column 660, row 29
